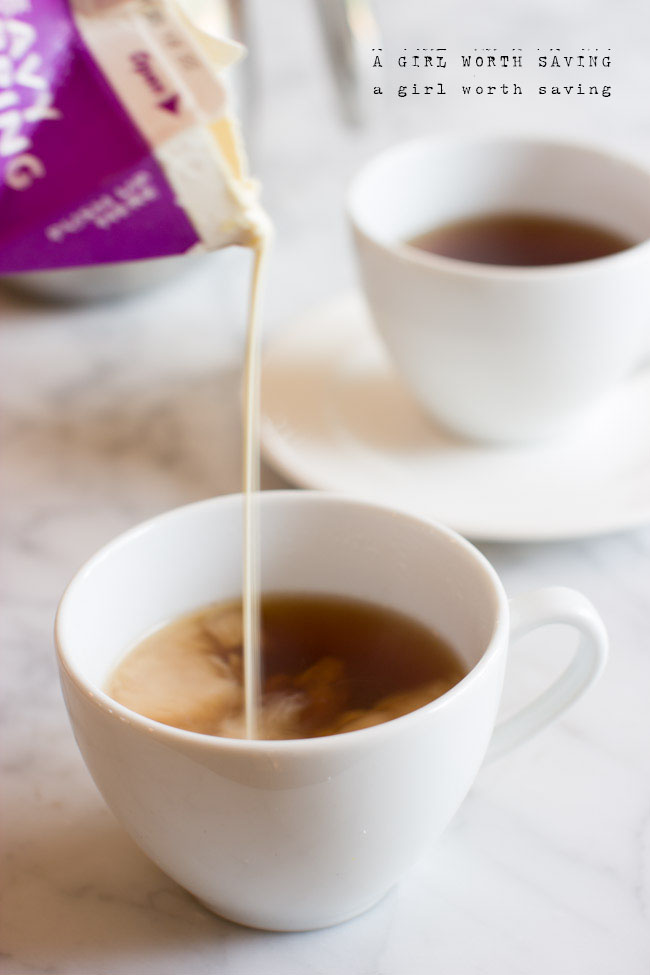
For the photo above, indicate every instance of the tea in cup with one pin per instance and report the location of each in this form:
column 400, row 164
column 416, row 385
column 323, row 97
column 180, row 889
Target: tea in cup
column 508, row 277
column 300, row 833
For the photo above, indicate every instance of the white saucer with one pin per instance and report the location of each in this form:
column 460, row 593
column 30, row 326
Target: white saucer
column 337, row 417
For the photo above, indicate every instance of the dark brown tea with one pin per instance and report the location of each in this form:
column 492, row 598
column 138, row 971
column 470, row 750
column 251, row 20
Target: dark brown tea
column 521, row 240
column 329, row 665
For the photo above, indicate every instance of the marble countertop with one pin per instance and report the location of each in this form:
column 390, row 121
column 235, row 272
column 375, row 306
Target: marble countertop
column 113, row 412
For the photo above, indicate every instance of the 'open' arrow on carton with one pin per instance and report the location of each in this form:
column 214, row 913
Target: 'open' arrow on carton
column 171, row 104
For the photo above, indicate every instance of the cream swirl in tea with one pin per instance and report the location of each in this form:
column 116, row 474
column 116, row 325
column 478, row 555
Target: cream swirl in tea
column 329, row 665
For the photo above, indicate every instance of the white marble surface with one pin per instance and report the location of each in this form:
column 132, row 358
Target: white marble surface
column 116, row 412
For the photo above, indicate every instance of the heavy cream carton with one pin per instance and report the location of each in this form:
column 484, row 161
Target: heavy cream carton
column 116, row 142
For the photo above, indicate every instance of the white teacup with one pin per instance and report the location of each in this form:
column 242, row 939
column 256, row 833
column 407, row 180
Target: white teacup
column 502, row 353
column 292, row 835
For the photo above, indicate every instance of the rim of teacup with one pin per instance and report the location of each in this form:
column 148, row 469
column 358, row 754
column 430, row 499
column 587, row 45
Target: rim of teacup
column 170, row 734
column 472, row 269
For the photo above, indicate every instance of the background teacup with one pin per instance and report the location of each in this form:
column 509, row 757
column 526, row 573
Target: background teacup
column 292, row 835
column 503, row 353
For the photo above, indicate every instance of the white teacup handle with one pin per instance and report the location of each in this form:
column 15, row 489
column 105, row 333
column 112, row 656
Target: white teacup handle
column 540, row 608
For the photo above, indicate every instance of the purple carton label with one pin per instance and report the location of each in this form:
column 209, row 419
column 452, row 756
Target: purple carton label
column 78, row 182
